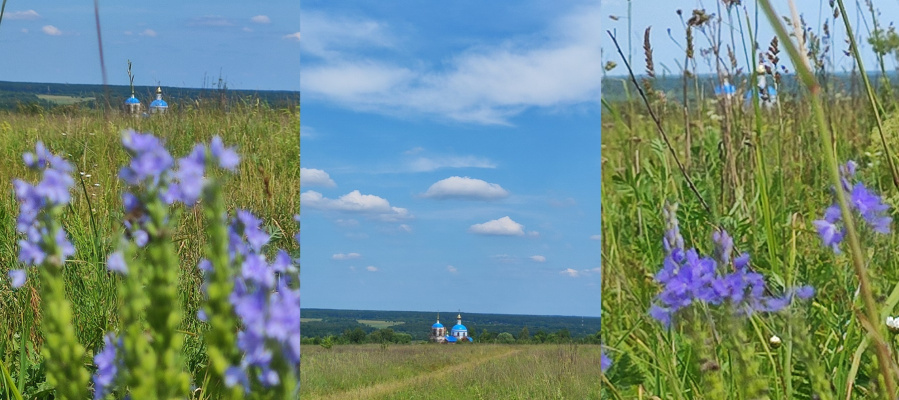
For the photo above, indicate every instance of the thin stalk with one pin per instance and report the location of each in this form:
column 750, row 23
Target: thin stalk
column 870, row 308
column 870, row 92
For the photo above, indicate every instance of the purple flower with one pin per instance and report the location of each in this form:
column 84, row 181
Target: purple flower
column 226, row 156
column 604, row 361
column 149, row 159
column 107, row 366
column 38, row 203
column 116, row 262
column 868, row 204
column 17, row 278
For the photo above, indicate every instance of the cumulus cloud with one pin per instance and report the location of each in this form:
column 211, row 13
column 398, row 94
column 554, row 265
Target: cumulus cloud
column 427, row 164
column 26, row 15
column 293, row 36
column 355, row 202
column 148, row 32
column 465, row 188
column 482, row 84
column 452, row 269
column 504, row 226
column 538, row 258
column 571, row 272
column 349, row 256
column 595, row 237
column 261, row 19
column 315, row 177
column 371, row 268
column 51, row 30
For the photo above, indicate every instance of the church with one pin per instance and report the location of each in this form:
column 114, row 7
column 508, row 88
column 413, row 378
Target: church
column 459, row 333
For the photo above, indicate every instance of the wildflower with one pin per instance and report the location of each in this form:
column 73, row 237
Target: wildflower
column 17, row 278
column 687, row 277
column 868, row 204
column 107, row 366
column 116, row 262
column 604, row 361
column 893, row 324
column 775, row 341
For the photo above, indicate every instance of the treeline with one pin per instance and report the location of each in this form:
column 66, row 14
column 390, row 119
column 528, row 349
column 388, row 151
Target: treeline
column 388, row 336
column 323, row 323
column 15, row 96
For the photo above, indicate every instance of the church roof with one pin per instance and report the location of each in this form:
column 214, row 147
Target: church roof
column 459, row 327
column 132, row 100
column 437, row 325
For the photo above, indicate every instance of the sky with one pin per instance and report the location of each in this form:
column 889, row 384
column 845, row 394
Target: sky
column 667, row 52
column 451, row 156
column 250, row 45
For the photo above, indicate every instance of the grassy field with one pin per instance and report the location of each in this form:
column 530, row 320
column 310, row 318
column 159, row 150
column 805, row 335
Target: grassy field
column 430, row 371
column 379, row 324
column 267, row 182
column 63, row 100
column 766, row 178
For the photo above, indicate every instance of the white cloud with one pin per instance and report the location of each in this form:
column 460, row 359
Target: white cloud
column 28, row 15
column 595, row 237
column 487, row 84
column 148, row 32
column 315, row 177
column 261, row 19
column 355, row 202
column 414, row 150
column 465, row 188
column 347, row 222
column 533, row 234
column 128, row 33
column 333, row 35
column 292, row 36
column 51, row 30
column 452, row 269
column 571, row 272
column 371, row 268
column 349, row 256
column 427, row 164
column 246, row 29
column 504, row 226
column 538, row 259
column 405, row 228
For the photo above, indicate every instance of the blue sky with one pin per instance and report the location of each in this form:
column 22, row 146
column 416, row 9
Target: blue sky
column 451, row 156
column 252, row 45
column 661, row 15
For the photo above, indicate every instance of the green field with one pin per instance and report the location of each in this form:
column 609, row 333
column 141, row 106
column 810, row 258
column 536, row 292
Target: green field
column 266, row 182
column 466, row 371
column 379, row 324
column 63, row 100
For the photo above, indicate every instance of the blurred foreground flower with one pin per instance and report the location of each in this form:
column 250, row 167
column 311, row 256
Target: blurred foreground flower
column 868, row 204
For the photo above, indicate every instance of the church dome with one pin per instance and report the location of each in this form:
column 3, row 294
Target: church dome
column 132, row 100
column 459, row 328
column 437, row 325
column 160, row 103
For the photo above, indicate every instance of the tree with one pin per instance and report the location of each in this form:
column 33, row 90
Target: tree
column 540, row 336
column 485, row 336
column 505, row 338
column 524, row 336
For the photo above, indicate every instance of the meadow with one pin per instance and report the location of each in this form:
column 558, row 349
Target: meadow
column 266, row 182
column 467, row 371
column 766, row 177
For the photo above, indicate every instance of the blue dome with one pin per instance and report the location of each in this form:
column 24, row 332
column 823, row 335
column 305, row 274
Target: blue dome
column 437, row 325
column 159, row 104
column 132, row 100
column 459, row 328
column 451, row 339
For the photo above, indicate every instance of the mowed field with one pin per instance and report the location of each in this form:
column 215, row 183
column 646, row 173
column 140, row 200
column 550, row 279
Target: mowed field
column 431, row 371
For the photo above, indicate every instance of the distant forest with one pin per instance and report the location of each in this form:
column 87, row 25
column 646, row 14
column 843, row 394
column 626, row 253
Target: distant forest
column 23, row 96
column 620, row 88
column 343, row 324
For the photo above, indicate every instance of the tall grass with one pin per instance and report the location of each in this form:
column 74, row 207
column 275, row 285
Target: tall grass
column 266, row 182
column 787, row 164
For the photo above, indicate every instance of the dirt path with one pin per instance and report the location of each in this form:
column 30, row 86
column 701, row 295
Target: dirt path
column 369, row 392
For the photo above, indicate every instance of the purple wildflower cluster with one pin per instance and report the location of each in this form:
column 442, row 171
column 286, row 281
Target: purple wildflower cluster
column 688, row 277
column 604, row 361
column 861, row 199
column 264, row 301
column 152, row 168
column 108, row 366
column 44, row 240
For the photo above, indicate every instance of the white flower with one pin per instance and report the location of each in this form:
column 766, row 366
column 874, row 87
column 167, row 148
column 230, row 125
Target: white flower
column 775, row 341
column 893, row 324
